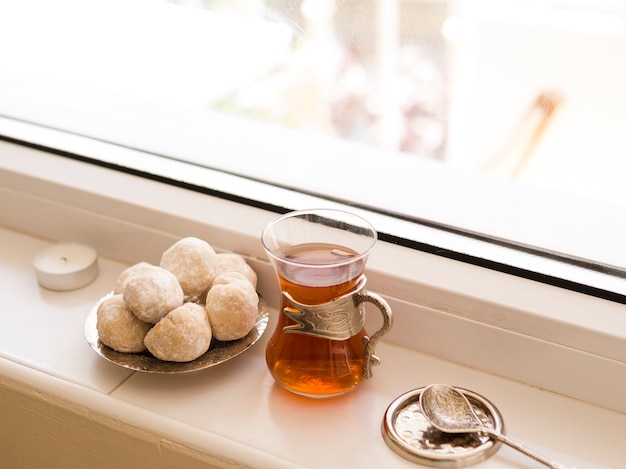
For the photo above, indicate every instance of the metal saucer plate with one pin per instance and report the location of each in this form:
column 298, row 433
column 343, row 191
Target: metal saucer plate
column 409, row 434
column 219, row 351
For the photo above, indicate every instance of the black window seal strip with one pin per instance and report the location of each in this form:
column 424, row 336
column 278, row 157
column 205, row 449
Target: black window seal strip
column 383, row 236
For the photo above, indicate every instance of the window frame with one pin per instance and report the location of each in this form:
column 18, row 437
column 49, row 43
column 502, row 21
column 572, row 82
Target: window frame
column 417, row 203
column 495, row 322
column 468, row 294
column 440, row 238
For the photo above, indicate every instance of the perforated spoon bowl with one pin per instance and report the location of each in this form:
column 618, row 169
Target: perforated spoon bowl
column 448, row 410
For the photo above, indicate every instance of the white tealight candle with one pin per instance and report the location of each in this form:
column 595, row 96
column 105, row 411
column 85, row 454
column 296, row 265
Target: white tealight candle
column 66, row 266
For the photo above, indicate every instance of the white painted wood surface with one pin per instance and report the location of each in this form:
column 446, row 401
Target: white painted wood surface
column 566, row 342
column 508, row 339
column 64, row 406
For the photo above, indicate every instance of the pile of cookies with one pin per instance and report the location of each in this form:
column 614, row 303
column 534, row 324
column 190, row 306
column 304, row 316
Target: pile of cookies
column 173, row 310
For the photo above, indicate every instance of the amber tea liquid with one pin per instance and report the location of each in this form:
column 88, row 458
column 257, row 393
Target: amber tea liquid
column 309, row 365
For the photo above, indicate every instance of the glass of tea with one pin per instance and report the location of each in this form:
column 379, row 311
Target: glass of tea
column 320, row 347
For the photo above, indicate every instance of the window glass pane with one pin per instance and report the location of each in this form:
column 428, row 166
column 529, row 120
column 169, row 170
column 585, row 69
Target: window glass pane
column 501, row 118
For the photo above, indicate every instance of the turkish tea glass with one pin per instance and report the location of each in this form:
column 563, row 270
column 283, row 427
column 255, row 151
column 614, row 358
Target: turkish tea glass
column 320, row 347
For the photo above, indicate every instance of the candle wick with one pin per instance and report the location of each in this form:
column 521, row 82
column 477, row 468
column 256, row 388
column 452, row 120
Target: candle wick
column 63, row 259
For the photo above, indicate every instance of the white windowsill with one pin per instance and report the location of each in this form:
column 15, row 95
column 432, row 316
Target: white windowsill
column 544, row 336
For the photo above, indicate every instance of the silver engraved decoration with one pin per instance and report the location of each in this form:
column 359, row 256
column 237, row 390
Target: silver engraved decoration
column 340, row 319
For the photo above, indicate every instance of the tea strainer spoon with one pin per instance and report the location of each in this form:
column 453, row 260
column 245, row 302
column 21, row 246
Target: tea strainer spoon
column 448, row 410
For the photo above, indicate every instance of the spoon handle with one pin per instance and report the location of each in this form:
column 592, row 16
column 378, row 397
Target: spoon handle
column 537, row 457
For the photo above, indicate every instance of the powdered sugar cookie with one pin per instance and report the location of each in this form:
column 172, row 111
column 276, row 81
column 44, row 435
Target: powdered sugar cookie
column 119, row 328
column 229, row 262
column 181, row 336
column 232, row 306
column 191, row 261
column 133, row 269
column 152, row 293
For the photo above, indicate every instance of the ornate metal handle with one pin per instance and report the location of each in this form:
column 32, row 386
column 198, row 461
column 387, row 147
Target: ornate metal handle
column 370, row 359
